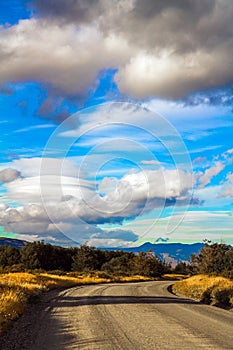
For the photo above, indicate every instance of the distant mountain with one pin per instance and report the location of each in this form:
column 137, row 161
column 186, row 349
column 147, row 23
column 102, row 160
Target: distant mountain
column 170, row 252
column 17, row 243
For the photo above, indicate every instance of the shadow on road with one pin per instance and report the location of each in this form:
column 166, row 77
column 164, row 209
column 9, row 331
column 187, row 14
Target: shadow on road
column 114, row 299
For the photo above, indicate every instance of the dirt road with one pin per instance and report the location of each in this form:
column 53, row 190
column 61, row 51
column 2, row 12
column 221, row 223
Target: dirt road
column 120, row 316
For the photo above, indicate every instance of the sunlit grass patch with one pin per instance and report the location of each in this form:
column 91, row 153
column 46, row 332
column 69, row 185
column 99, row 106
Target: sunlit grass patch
column 215, row 290
column 15, row 291
column 174, row 276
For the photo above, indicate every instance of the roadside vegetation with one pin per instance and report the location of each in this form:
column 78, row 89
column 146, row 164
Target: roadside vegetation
column 215, row 290
column 212, row 282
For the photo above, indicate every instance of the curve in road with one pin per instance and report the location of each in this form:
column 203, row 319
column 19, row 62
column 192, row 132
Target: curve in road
column 122, row 316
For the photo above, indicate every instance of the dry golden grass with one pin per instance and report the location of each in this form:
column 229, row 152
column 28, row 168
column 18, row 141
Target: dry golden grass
column 174, row 276
column 215, row 290
column 16, row 289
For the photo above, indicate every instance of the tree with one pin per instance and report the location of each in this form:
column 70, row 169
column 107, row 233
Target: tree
column 38, row 255
column 213, row 258
column 85, row 259
column 119, row 265
column 9, row 256
column 147, row 264
column 182, row 268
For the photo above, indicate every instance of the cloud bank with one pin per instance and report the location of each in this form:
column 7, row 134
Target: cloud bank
column 160, row 48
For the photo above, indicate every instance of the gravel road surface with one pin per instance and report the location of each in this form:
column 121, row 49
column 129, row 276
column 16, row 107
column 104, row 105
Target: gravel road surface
column 120, row 316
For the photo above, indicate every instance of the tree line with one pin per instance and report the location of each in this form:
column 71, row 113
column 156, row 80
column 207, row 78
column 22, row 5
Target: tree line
column 47, row 257
column 213, row 259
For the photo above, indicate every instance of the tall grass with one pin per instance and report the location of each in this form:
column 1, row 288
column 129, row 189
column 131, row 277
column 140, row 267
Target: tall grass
column 17, row 289
column 214, row 290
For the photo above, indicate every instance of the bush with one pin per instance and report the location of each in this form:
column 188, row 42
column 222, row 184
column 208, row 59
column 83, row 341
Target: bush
column 222, row 296
column 208, row 289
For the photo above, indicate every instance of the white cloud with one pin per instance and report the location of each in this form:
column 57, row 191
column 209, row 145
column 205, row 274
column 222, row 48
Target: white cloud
column 35, row 127
column 124, row 235
column 109, row 242
column 206, row 177
column 30, row 167
column 227, row 190
column 230, row 151
column 46, row 187
column 228, row 155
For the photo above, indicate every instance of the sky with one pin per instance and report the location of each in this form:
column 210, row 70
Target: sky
column 116, row 121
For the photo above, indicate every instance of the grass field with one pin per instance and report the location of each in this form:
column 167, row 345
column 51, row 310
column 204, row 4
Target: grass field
column 17, row 289
column 214, row 290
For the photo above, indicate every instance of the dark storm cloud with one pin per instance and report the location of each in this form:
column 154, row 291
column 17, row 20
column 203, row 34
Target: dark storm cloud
column 167, row 49
column 80, row 11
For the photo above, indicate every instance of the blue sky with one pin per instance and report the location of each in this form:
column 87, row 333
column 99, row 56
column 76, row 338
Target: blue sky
column 114, row 130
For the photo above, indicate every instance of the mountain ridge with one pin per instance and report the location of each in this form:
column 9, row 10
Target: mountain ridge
column 170, row 252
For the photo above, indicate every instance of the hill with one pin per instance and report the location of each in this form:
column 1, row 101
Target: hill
column 170, row 252
column 17, row 243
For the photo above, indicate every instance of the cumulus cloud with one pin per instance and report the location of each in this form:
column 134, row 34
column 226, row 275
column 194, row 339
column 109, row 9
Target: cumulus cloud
column 131, row 194
column 160, row 48
column 73, row 58
column 206, row 177
column 61, row 225
column 9, row 174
